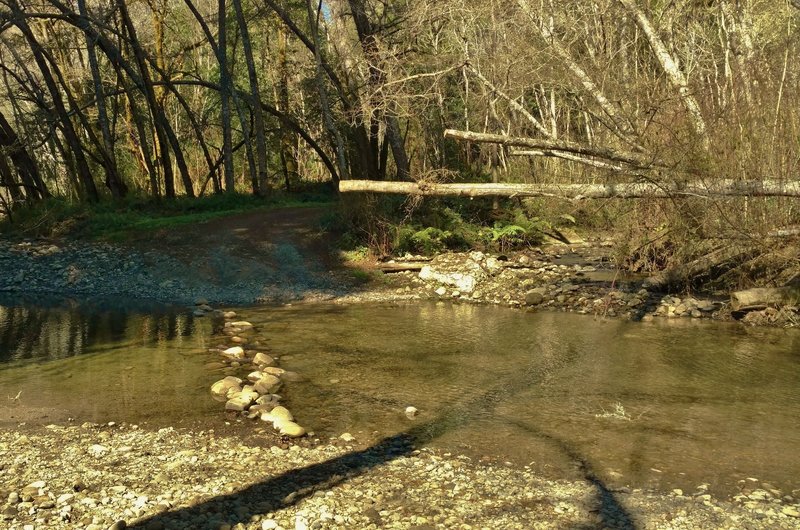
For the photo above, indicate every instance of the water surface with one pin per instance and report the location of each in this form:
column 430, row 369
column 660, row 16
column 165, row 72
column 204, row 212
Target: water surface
column 102, row 363
column 672, row 403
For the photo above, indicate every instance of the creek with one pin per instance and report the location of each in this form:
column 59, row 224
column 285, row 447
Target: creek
column 673, row 403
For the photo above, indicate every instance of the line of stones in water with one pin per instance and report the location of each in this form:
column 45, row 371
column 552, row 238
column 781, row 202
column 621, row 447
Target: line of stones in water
column 254, row 395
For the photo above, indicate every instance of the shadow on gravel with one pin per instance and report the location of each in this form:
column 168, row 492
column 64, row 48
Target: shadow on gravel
column 295, row 485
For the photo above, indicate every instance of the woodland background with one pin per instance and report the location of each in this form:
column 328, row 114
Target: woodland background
column 100, row 100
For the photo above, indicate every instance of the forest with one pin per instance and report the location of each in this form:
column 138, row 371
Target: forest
column 674, row 125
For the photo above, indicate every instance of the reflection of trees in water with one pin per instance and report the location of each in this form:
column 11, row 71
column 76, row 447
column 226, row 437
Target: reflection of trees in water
column 55, row 333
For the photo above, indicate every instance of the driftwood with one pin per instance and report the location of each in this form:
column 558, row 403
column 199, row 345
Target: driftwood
column 761, row 297
column 681, row 273
column 401, row 266
column 722, row 187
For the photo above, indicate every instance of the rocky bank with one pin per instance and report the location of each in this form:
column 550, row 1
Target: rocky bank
column 114, row 476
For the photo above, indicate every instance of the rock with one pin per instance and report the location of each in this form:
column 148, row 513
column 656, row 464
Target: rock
column 242, row 324
column 289, row 428
column 237, row 352
column 411, row 412
column 790, row 511
column 493, row 264
column 534, row 297
column 268, row 384
column 274, row 370
column 229, row 314
column 282, row 413
column 240, row 401
column 269, row 399
column 201, row 301
column 263, row 360
column 441, row 291
column 269, row 524
column 221, row 388
column 463, row 281
column 347, row 437
column 255, row 376
column 98, row 450
column 65, row 498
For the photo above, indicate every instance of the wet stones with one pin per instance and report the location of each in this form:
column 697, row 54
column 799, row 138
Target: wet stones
column 267, row 384
column 254, row 395
column 535, row 296
column 222, row 388
column 262, row 360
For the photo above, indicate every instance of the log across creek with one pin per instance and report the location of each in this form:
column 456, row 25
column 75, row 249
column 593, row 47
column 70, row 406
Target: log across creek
column 636, row 190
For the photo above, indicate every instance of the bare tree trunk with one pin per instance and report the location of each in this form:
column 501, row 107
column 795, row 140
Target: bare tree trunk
column 114, row 181
column 225, row 96
column 23, row 162
column 634, row 160
column 81, row 164
column 262, row 184
column 162, row 142
column 327, row 115
column 367, row 38
column 619, row 124
column 671, row 69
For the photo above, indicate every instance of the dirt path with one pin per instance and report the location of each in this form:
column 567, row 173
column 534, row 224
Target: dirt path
column 258, row 257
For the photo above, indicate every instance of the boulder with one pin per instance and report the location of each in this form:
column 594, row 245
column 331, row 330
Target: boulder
column 534, row 296
column 221, row 388
column 268, row 384
column 282, row 413
column 262, row 360
column 236, row 352
column 254, row 376
column 241, row 401
column 289, row 428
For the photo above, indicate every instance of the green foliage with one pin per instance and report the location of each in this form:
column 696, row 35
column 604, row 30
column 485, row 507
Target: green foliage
column 519, row 232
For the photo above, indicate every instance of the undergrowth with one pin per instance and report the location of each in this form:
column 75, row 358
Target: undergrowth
column 395, row 226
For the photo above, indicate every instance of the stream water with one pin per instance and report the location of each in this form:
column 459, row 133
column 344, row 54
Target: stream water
column 664, row 404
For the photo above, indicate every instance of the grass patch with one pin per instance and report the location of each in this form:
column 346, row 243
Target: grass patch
column 118, row 220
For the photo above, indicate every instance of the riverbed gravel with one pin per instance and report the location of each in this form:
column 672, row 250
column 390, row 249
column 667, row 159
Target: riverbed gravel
column 114, row 476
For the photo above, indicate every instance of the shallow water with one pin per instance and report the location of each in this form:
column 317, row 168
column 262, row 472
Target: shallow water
column 670, row 403
column 102, row 363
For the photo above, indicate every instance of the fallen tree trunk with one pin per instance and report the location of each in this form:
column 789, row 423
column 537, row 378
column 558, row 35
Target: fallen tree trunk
column 633, row 159
column 761, row 297
column 725, row 187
